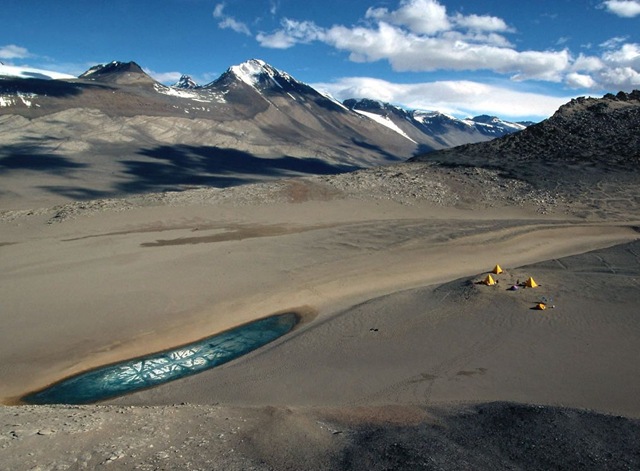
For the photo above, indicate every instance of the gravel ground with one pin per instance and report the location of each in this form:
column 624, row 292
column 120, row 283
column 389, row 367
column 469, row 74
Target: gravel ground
column 484, row 436
column 408, row 184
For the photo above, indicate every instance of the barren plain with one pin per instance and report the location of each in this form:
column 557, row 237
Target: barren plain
column 403, row 361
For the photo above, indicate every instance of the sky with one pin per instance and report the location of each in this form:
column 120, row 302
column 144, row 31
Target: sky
column 519, row 60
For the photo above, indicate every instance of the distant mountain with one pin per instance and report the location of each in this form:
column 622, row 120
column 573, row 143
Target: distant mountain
column 185, row 82
column 495, row 126
column 585, row 137
column 245, row 91
column 432, row 129
column 131, row 134
column 121, row 73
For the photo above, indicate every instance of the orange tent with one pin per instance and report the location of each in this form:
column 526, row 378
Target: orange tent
column 497, row 270
column 541, row 306
column 530, row 283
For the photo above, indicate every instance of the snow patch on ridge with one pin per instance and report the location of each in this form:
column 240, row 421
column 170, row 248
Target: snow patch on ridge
column 200, row 95
column 385, row 121
column 495, row 126
column 425, row 117
column 328, row 96
column 12, row 100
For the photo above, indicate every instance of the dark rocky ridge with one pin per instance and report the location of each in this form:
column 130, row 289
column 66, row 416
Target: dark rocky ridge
column 604, row 130
column 122, row 73
column 586, row 140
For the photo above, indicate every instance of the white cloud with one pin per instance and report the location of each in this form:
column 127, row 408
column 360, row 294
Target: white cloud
column 614, row 42
column 293, row 32
column 420, row 16
column 461, row 98
column 421, row 36
column 540, row 65
column 627, row 55
column 617, row 68
column 276, row 40
column 228, row 22
column 623, row 8
column 235, row 25
column 274, row 5
column 218, row 10
column 576, row 80
column 11, row 51
column 620, row 78
column 481, row 23
column 588, row 63
column 164, row 77
column 409, row 52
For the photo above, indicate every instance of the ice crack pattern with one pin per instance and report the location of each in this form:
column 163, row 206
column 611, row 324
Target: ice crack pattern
column 141, row 373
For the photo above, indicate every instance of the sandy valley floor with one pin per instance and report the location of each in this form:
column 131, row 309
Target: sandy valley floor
column 403, row 361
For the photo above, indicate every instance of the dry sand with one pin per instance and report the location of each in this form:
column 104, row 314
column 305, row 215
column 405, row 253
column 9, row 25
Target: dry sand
column 401, row 349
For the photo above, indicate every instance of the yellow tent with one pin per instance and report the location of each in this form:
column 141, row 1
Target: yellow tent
column 530, row 283
column 541, row 306
column 497, row 270
column 489, row 281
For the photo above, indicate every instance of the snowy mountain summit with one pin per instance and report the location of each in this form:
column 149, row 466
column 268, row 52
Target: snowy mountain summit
column 263, row 78
column 186, row 83
column 259, row 74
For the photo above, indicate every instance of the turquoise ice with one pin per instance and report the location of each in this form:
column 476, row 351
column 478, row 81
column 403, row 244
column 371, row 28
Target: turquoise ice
column 145, row 372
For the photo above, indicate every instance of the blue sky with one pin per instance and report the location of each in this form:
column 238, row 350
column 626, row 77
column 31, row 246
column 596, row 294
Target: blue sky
column 513, row 59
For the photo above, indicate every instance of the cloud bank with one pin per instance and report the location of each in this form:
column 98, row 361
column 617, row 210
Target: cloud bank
column 623, row 8
column 11, row 51
column 421, row 36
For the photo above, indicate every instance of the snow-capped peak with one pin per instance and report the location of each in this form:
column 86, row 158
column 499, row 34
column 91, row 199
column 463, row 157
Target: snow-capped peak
column 249, row 71
column 185, row 82
column 252, row 71
column 486, row 120
column 425, row 116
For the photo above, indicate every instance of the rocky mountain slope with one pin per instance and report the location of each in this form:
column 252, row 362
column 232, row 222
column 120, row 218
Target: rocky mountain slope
column 584, row 141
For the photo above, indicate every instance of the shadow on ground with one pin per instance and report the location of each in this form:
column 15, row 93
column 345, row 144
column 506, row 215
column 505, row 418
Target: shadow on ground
column 498, row 436
column 161, row 168
column 173, row 167
column 35, row 158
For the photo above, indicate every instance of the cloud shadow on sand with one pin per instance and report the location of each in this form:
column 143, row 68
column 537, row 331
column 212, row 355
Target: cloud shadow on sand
column 34, row 158
column 174, row 167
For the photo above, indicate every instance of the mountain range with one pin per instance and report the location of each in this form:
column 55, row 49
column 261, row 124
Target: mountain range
column 118, row 128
